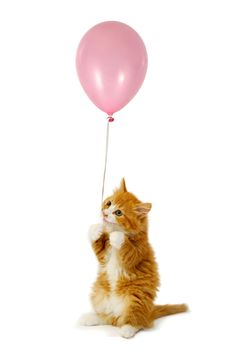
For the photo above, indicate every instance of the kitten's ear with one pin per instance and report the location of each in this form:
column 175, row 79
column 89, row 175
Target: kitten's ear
column 142, row 209
column 123, row 185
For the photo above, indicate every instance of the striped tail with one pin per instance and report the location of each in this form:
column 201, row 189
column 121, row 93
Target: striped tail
column 168, row 309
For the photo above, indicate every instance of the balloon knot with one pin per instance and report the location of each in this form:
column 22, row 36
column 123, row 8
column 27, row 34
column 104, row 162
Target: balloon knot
column 110, row 119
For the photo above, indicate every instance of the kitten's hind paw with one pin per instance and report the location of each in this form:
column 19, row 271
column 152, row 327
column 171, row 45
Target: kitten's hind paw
column 90, row 319
column 128, row 331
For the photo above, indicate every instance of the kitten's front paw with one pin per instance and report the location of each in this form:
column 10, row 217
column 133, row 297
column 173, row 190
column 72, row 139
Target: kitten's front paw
column 116, row 239
column 95, row 232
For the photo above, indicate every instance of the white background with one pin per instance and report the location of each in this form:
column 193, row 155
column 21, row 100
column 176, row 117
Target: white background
column 174, row 143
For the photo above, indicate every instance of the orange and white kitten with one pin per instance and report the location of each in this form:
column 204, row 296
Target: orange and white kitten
column 124, row 292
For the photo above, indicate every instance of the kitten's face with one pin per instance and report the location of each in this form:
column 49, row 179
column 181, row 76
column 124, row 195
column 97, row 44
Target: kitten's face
column 124, row 209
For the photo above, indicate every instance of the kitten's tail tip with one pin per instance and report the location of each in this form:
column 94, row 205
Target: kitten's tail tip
column 169, row 309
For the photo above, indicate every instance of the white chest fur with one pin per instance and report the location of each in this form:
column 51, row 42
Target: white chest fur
column 113, row 269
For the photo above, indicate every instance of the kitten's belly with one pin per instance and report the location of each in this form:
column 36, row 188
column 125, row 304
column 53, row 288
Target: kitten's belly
column 111, row 305
column 107, row 301
column 113, row 269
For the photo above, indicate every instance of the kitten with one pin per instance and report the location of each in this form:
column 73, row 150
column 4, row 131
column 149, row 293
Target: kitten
column 124, row 292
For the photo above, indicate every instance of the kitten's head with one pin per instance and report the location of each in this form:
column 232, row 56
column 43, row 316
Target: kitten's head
column 125, row 210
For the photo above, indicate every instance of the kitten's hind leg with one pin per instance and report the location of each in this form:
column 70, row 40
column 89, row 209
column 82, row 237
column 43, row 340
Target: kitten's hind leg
column 91, row 319
column 128, row 331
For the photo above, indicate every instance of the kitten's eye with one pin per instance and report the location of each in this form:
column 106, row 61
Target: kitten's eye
column 118, row 212
column 108, row 204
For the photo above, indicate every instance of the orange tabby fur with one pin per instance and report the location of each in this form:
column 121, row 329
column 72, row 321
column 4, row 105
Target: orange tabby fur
column 128, row 298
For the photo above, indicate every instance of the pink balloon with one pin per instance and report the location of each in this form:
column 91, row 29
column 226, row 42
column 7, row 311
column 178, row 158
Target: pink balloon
column 111, row 64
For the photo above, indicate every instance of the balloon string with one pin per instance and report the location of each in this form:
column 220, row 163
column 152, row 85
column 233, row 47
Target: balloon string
column 110, row 119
